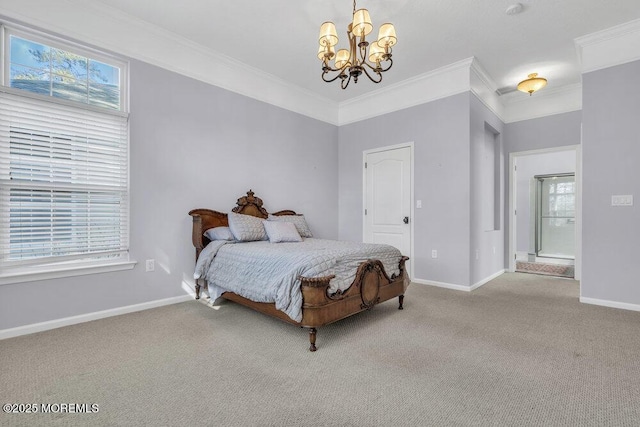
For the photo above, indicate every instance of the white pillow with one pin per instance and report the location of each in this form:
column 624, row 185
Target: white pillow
column 281, row 232
column 246, row 228
column 219, row 233
column 297, row 220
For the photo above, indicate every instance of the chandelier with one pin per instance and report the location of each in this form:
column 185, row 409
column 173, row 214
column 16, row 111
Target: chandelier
column 350, row 64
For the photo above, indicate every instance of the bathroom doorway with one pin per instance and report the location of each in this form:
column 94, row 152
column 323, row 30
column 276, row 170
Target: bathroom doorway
column 544, row 236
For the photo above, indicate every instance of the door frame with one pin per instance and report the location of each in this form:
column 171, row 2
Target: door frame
column 577, row 149
column 410, row 145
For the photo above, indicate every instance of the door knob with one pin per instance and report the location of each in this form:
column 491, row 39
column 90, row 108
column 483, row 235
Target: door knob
column 406, row 220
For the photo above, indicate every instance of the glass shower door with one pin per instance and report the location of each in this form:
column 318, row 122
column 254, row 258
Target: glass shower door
column 556, row 212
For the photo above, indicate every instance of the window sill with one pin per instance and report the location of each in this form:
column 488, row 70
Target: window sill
column 66, row 271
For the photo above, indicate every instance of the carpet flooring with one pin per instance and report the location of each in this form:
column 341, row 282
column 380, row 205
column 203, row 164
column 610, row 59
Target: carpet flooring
column 519, row 351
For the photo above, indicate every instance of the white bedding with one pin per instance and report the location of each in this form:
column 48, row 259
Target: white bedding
column 268, row 272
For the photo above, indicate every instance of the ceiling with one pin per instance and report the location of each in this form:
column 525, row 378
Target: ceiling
column 279, row 37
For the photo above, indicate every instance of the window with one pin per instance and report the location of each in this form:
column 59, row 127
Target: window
column 64, row 190
column 50, row 71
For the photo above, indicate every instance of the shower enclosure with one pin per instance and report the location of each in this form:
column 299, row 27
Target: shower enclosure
column 555, row 216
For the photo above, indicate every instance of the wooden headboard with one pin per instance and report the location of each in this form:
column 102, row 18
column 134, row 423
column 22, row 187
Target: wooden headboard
column 204, row 219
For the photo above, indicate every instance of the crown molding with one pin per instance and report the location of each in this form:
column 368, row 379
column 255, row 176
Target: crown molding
column 485, row 89
column 461, row 76
column 613, row 46
column 108, row 28
column 519, row 106
column 440, row 83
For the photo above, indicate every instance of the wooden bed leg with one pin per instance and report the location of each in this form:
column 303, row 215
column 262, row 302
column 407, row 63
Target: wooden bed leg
column 197, row 289
column 312, row 339
column 400, row 300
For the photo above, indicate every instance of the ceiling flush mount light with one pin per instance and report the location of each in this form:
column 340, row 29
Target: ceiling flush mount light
column 514, row 9
column 362, row 57
column 532, row 84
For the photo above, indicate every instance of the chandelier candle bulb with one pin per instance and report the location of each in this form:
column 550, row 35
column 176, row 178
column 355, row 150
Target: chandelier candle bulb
column 321, row 50
column 326, row 52
column 362, row 57
column 376, row 53
column 328, row 35
column 387, row 35
column 342, row 58
column 361, row 23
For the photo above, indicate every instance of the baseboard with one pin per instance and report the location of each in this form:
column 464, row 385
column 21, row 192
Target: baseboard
column 67, row 321
column 487, row 279
column 458, row 287
column 612, row 304
column 442, row 285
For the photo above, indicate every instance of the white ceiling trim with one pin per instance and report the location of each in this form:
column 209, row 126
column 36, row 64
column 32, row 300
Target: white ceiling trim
column 547, row 102
column 614, row 46
column 483, row 86
column 441, row 83
column 124, row 34
column 130, row 36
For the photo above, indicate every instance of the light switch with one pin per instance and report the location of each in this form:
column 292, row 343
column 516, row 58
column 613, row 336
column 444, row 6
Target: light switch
column 419, row 204
column 622, row 200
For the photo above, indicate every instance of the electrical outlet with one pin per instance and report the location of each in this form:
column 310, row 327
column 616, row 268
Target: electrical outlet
column 150, row 265
column 434, row 254
column 494, row 250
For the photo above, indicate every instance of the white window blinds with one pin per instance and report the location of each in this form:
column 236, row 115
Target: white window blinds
column 63, row 182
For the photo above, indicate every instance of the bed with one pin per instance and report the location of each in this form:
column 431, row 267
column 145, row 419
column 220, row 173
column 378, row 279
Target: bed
column 330, row 282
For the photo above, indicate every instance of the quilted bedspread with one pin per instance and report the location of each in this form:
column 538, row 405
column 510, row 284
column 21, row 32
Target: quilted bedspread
column 268, row 272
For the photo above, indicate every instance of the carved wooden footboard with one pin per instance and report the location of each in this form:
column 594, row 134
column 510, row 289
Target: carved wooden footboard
column 371, row 285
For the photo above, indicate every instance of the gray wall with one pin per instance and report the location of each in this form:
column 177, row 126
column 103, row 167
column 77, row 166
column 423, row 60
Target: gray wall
column 440, row 132
column 192, row 145
column 528, row 167
column 196, row 145
column 486, row 250
column 545, row 132
column 611, row 150
column 536, row 134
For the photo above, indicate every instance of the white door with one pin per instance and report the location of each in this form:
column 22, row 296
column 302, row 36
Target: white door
column 388, row 198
